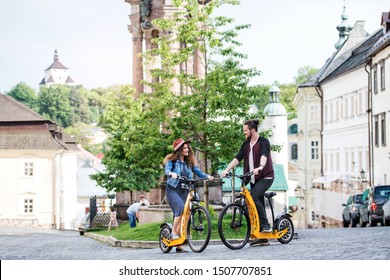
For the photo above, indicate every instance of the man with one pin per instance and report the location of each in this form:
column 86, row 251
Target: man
column 256, row 152
column 133, row 213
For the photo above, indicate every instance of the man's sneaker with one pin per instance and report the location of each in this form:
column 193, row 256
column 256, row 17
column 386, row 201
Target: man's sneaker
column 266, row 228
column 259, row 242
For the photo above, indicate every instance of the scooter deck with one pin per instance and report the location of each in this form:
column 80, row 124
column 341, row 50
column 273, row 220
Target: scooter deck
column 269, row 235
column 174, row 242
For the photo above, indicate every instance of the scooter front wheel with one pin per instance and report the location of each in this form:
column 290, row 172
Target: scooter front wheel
column 165, row 232
column 234, row 226
column 283, row 223
column 199, row 229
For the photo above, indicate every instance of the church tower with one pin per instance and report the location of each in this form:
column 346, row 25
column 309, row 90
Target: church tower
column 276, row 121
column 344, row 29
column 57, row 74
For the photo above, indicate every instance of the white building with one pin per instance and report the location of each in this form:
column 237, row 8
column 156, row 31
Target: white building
column 379, row 92
column 334, row 129
column 38, row 170
column 57, row 74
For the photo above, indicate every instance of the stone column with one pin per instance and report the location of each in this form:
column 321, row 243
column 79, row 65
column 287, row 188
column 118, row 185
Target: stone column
column 136, row 30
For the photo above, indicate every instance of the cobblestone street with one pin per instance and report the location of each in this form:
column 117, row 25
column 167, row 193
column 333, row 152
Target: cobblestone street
column 313, row 244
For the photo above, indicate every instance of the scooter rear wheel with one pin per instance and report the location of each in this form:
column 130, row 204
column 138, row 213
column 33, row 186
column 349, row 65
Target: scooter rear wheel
column 165, row 232
column 283, row 223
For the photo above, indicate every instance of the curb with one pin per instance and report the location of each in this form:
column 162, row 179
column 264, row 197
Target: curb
column 144, row 244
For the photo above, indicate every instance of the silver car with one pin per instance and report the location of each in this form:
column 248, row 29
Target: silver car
column 386, row 212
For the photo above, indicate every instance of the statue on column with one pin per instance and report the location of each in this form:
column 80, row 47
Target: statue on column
column 145, row 7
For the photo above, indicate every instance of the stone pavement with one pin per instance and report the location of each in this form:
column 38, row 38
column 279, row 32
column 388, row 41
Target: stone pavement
column 371, row 243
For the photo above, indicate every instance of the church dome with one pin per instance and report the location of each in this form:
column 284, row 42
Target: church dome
column 274, row 107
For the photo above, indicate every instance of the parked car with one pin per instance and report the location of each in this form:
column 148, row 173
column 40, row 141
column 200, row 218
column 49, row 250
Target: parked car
column 351, row 210
column 386, row 212
column 371, row 211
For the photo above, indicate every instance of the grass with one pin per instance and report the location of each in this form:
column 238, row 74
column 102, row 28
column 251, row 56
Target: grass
column 146, row 232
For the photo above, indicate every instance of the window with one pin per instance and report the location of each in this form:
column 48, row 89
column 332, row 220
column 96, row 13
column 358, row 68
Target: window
column 376, row 130
column 383, row 129
column 293, row 129
column 28, row 206
column 29, row 168
column 331, row 112
column 352, row 105
column 314, row 113
column 382, row 72
column 375, row 79
column 326, row 113
column 294, row 152
column 314, row 149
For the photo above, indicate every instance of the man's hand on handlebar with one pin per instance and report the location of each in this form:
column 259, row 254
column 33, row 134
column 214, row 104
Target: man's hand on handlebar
column 225, row 174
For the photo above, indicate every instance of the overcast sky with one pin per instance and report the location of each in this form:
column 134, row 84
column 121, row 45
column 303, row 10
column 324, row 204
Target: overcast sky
column 93, row 41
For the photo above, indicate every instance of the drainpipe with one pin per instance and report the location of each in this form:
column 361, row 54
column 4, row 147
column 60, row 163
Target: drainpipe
column 369, row 120
column 321, row 96
column 58, row 199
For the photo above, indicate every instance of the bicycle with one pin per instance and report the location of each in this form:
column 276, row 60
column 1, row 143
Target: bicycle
column 239, row 220
column 195, row 224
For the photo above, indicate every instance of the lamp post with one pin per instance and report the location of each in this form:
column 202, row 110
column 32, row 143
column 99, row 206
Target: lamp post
column 363, row 179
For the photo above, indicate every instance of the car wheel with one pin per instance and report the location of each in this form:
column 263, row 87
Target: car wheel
column 353, row 222
column 345, row 223
column 363, row 224
column 386, row 222
column 371, row 222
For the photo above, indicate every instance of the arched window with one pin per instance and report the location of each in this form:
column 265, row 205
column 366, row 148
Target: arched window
column 294, row 151
column 293, row 129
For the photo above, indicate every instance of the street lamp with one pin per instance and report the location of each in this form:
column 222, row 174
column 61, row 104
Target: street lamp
column 363, row 175
column 362, row 179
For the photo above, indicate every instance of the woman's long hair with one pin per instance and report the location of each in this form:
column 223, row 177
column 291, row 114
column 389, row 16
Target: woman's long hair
column 190, row 159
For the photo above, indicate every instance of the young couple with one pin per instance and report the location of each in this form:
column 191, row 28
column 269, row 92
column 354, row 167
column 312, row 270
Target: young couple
column 256, row 153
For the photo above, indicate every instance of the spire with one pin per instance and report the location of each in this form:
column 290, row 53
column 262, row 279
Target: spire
column 344, row 29
column 55, row 55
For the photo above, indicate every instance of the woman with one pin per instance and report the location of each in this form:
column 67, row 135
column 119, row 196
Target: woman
column 180, row 163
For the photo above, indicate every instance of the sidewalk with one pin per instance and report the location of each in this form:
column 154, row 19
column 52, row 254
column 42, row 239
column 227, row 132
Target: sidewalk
column 145, row 244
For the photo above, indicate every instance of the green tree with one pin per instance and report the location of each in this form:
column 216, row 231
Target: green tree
column 78, row 101
column 136, row 147
column 211, row 106
column 304, row 74
column 25, row 94
column 54, row 104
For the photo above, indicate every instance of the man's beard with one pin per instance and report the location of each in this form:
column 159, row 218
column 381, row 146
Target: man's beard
column 249, row 136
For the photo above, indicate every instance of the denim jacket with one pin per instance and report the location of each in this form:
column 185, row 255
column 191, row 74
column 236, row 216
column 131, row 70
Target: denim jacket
column 180, row 166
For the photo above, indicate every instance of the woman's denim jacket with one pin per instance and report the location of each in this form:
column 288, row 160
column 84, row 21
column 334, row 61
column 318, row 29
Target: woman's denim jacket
column 177, row 168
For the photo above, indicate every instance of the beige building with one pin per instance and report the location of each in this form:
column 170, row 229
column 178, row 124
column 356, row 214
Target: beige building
column 38, row 170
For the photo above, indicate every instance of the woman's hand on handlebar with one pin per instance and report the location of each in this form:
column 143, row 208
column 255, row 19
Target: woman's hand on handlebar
column 173, row 175
column 210, row 178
